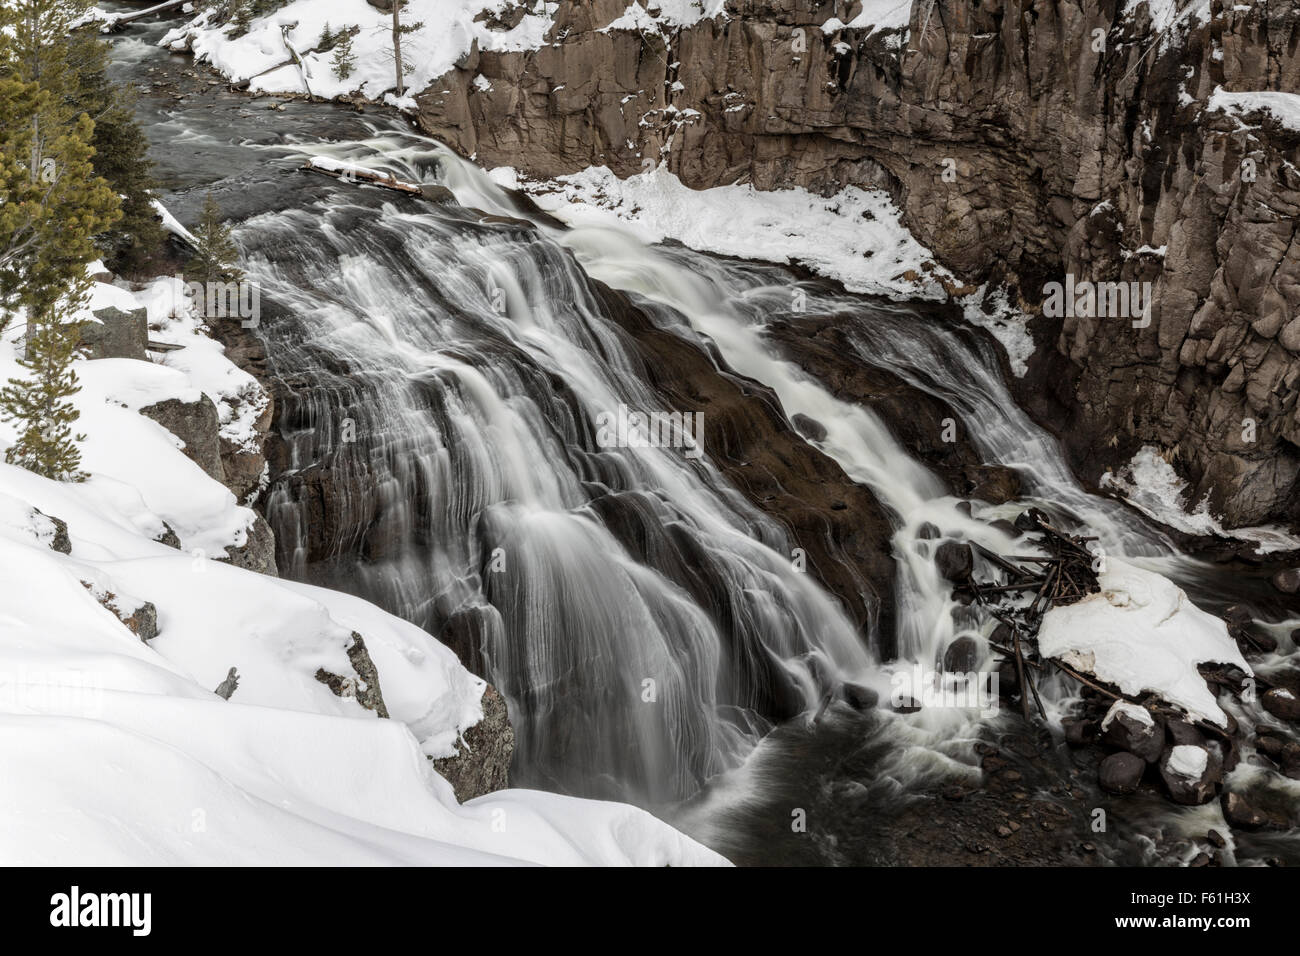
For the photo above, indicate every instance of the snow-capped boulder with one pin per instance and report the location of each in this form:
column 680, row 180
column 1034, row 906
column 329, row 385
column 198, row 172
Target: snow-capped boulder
column 1190, row 773
column 1133, row 728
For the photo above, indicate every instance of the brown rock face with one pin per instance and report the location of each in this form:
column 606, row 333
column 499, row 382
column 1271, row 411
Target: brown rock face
column 483, row 763
column 1024, row 142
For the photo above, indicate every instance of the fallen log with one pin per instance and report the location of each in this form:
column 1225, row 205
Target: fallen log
column 118, row 20
column 359, row 175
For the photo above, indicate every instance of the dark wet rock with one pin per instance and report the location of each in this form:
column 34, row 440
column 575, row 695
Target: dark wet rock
column 1190, row 774
column 955, row 561
column 1287, row 581
column 1121, row 773
column 438, row 194
column 1244, row 812
column 482, row 762
column 928, row 531
column 839, row 524
column 1216, row 839
column 905, row 705
column 858, row 696
column 1181, row 732
column 1006, row 527
column 1028, row 520
column 1008, row 679
column 961, row 656
column 996, row 484
column 60, row 542
column 1282, row 703
column 809, row 428
column 1134, row 729
column 1079, row 732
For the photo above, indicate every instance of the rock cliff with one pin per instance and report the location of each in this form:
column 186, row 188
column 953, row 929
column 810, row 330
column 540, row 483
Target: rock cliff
column 1027, row 142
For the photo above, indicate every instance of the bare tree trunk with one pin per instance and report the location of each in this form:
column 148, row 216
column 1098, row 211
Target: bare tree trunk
column 397, row 47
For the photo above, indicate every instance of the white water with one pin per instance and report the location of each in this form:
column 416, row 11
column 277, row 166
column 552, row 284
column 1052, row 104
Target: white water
column 621, row 565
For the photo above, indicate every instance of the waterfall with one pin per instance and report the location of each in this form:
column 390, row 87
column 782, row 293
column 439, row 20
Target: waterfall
column 644, row 622
column 446, row 370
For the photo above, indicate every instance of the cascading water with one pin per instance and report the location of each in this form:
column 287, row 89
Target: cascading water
column 441, row 378
column 644, row 622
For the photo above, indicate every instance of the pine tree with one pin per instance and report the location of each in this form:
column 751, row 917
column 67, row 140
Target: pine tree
column 41, row 402
column 344, row 62
column 52, row 205
column 216, row 253
column 327, row 38
column 136, row 243
column 243, row 16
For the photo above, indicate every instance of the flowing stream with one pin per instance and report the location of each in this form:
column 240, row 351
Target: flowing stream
column 446, row 372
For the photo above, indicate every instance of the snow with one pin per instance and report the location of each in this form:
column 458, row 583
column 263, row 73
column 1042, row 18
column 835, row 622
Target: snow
column 449, row 33
column 673, row 14
column 1142, row 634
column 1283, row 107
column 1165, row 14
column 1135, row 712
column 855, row 237
column 117, row 751
column 1005, row 322
column 1188, row 761
column 1150, row 484
column 882, row 15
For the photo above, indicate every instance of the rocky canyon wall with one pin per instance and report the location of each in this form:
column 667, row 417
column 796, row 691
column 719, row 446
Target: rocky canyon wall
column 1026, row 141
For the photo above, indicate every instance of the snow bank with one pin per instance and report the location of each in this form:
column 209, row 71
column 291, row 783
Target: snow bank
column 1150, row 484
column 448, row 34
column 1283, row 107
column 855, row 236
column 1141, row 634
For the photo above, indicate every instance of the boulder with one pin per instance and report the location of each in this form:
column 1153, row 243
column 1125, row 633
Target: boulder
column 809, row 428
column 858, row 696
column 961, row 656
column 117, row 334
column 1079, row 732
column 1181, row 732
column 955, row 561
column 1244, row 812
column 1121, row 773
column 1281, row 703
column 60, row 541
column 1028, row 520
column 1288, row 581
column 197, row 425
column 1190, row 773
column 1133, row 728
column 438, row 194
column 257, row 553
column 482, row 762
